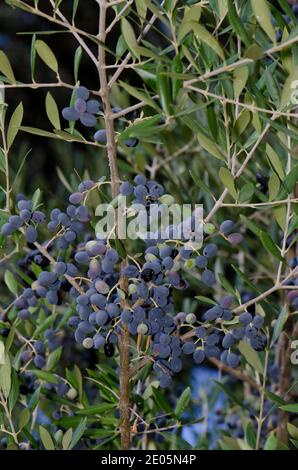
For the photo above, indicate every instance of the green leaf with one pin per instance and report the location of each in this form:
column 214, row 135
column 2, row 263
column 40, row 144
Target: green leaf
column 240, row 78
column 10, row 281
column 200, row 183
column 141, row 9
column 250, row 435
column 46, row 55
column 246, row 192
column 204, row 36
column 271, row 442
column 275, row 398
column 10, row 338
column 205, row 300
column 36, row 198
column 273, row 185
column 163, row 88
column 251, row 356
column 210, row 146
column 237, row 23
column 33, row 56
column 53, row 358
column 192, row 13
column 140, row 95
column 292, row 408
column 78, row 433
column 140, row 128
column 269, row 244
column 228, row 181
column 52, row 111
column 45, row 376
column 96, row 409
column 280, row 215
column 46, row 438
column 77, row 61
column 275, row 161
column 5, row 376
column 66, row 440
column 129, row 36
column 14, row 124
column 262, row 13
column 182, row 402
column 293, row 430
column 24, row 418
column 42, row 133
column 5, row 67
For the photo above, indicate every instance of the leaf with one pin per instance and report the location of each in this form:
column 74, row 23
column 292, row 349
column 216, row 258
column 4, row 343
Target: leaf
column 200, row 183
column 254, row 52
column 45, row 376
column 14, row 124
column 280, row 215
column 52, row 111
column 36, row 198
column 140, row 95
column 5, row 67
column 262, row 13
column 182, row 402
column 269, row 244
column 289, row 90
column 10, row 338
column 192, row 13
column 292, row 408
column 140, row 128
column 230, row 443
column 35, row 131
column 273, row 185
column 275, row 161
column 246, row 192
column 141, row 9
column 46, row 55
column 129, row 36
column 274, row 398
column 24, row 418
column 240, row 78
column 293, row 430
column 46, row 438
column 210, row 146
column 53, row 358
column 241, row 124
column 66, row 440
column 96, row 409
column 228, row 181
column 250, row 435
column 205, row 300
column 33, row 56
column 237, row 23
column 10, row 281
column 163, row 89
column 271, row 442
column 77, row 61
column 5, row 376
column 78, row 433
column 79, row 380
column 204, row 36
column 232, row 396
column 251, row 356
